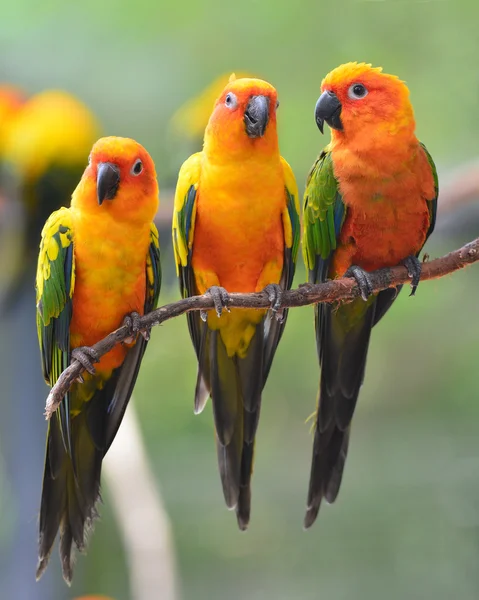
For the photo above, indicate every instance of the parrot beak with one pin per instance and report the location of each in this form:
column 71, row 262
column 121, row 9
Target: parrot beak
column 256, row 116
column 107, row 181
column 328, row 108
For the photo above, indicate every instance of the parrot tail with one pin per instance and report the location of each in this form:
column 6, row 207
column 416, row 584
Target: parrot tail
column 71, row 487
column 235, row 385
column 71, row 480
column 343, row 335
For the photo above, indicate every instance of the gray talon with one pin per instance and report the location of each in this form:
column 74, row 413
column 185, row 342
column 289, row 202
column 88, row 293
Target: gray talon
column 132, row 321
column 414, row 268
column 86, row 356
column 275, row 296
column 220, row 299
column 362, row 279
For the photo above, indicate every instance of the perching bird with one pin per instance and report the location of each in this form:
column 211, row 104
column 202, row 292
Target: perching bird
column 43, row 149
column 370, row 202
column 236, row 228
column 99, row 266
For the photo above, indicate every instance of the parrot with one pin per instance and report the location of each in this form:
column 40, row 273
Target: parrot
column 236, row 228
column 43, row 149
column 12, row 215
column 98, row 267
column 370, row 203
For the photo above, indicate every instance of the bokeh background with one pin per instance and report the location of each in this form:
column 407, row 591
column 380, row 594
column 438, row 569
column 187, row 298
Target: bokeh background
column 406, row 523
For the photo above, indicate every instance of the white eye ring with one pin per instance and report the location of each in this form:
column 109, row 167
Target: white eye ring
column 137, row 168
column 357, row 91
column 231, row 101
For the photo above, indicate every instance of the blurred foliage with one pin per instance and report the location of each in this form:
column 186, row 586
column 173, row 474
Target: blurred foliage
column 406, row 523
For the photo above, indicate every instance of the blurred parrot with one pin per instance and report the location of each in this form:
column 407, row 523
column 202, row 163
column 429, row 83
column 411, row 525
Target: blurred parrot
column 12, row 215
column 370, row 203
column 99, row 266
column 236, row 227
column 192, row 117
column 43, row 149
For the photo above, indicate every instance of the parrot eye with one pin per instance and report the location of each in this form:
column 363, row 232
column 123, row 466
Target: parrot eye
column 137, row 167
column 357, row 91
column 231, row 101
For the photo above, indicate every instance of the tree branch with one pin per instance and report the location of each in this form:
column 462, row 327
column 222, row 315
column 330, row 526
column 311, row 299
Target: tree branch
column 344, row 288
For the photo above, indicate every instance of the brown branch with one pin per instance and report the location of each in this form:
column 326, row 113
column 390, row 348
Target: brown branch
column 330, row 291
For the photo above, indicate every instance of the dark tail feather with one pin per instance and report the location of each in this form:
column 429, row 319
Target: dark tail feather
column 251, row 378
column 228, row 414
column 343, row 340
column 235, row 385
column 69, row 495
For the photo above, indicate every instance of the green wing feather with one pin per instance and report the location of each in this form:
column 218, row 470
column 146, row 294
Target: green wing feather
column 323, row 215
column 55, row 284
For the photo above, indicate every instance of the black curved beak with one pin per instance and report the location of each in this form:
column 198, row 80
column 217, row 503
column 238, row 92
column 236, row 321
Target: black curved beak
column 107, row 181
column 328, row 108
column 256, row 116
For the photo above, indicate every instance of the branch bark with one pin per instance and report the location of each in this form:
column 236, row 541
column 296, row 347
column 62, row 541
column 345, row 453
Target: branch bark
column 344, row 288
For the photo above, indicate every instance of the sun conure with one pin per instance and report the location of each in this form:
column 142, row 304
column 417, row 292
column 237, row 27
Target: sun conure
column 43, row 152
column 370, row 202
column 99, row 266
column 236, row 228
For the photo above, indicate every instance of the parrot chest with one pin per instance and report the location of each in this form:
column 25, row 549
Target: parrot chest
column 239, row 230
column 384, row 224
column 110, row 282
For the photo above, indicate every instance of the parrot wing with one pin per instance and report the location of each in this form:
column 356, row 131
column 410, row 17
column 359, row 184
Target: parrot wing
column 55, row 284
column 342, row 336
column 184, row 214
column 432, row 202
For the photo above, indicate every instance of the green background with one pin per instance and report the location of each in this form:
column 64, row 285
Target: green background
column 406, row 523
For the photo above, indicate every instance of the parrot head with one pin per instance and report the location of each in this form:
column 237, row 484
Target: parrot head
column 244, row 117
column 191, row 118
column 121, row 179
column 358, row 99
column 52, row 129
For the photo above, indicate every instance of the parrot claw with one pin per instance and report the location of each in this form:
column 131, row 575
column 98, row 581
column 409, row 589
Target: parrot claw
column 275, row 296
column 132, row 321
column 80, row 379
column 362, row 279
column 86, row 356
column 220, row 299
column 414, row 267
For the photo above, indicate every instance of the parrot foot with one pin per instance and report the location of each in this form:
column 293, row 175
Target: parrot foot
column 275, row 296
column 362, row 279
column 414, row 267
column 220, row 299
column 86, row 356
column 132, row 321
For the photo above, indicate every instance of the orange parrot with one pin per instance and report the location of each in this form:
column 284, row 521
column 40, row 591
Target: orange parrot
column 99, row 266
column 370, row 203
column 236, row 229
